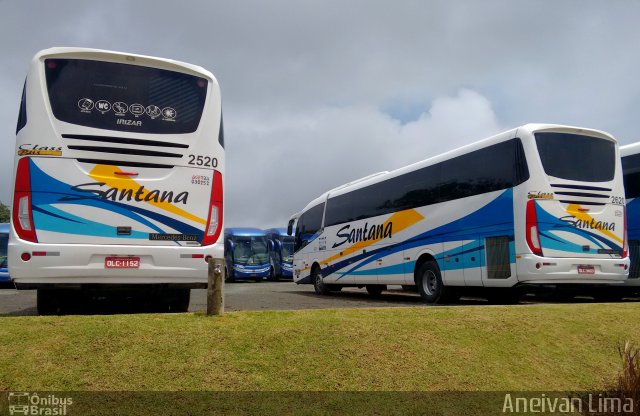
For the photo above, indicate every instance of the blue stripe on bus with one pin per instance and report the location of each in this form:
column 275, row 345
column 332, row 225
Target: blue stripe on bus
column 494, row 219
column 52, row 192
column 548, row 223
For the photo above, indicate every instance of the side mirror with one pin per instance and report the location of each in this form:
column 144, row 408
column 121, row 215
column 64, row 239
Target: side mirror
column 271, row 245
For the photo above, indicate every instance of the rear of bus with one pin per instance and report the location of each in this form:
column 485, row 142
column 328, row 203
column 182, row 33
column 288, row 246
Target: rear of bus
column 118, row 172
column 571, row 213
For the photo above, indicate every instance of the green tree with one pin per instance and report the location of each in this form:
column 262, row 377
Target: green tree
column 5, row 214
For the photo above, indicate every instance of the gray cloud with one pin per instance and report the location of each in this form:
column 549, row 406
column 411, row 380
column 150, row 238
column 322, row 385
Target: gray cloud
column 317, row 93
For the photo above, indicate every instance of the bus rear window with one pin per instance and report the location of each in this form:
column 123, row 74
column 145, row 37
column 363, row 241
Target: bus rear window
column 577, row 157
column 124, row 97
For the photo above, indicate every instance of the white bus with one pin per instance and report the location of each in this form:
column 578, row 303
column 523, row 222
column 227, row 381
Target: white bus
column 630, row 155
column 119, row 175
column 536, row 205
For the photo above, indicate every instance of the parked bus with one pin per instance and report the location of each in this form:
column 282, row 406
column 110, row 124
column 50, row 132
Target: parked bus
column 281, row 249
column 536, row 205
column 118, row 177
column 631, row 170
column 246, row 253
column 5, row 281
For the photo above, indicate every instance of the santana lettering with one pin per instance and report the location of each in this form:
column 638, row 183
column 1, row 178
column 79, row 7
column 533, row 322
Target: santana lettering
column 376, row 232
column 589, row 225
column 116, row 194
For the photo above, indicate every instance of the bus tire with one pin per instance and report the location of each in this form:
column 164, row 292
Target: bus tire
column 48, row 302
column 319, row 285
column 272, row 275
column 429, row 283
column 375, row 290
column 179, row 300
column 228, row 278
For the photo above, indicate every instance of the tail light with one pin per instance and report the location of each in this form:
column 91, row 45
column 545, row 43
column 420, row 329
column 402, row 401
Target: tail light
column 22, row 215
column 214, row 222
column 625, row 243
column 533, row 238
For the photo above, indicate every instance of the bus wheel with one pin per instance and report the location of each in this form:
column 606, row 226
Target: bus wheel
column 375, row 290
column 429, row 282
column 319, row 285
column 179, row 300
column 228, row 278
column 48, row 302
column 272, row 275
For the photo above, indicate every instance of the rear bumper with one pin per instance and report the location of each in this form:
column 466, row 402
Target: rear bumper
column 533, row 269
column 81, row 264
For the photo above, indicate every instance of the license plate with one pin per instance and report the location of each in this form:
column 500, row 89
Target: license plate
column 122, row 262
column 586, row 270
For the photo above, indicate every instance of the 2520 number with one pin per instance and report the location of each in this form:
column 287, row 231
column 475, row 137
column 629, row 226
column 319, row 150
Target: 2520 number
column 199, row 160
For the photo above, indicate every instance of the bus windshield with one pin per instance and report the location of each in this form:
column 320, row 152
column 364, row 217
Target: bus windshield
column 250, row 250
column 4, row 239
column 123, row 97
column 577, row 157
column 287, row 247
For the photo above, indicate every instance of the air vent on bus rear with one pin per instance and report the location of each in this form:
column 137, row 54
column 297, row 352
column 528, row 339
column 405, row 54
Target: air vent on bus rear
column 125, row 163
column 125, row 140
column 124, row 151
column 592, row 195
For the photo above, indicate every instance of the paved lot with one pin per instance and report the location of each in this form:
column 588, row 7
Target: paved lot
column 249, row 296
column 258, row 296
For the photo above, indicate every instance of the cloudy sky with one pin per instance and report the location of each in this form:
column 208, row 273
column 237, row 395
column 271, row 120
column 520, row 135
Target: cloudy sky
column 318, row 93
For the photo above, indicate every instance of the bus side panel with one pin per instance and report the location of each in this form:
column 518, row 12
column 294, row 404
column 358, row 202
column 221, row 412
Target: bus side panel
column 409, row 233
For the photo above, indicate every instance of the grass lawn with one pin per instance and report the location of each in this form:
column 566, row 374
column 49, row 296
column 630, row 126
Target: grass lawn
column 526, row 347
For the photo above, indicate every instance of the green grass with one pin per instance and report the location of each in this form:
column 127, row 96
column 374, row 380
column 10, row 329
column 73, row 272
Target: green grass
column 470, row 348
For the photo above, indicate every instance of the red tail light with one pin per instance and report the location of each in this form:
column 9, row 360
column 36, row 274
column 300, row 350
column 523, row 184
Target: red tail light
column 214, row 222
column 533, row 238
column 625, row 244
column 22, row 215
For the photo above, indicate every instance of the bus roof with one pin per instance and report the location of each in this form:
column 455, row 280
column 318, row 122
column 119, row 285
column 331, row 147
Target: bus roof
column 122, row 57
column 245, row 232
column 630, row 149
column 476, row 145
column 280, row 231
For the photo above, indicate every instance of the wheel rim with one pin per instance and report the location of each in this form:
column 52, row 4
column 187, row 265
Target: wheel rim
column 429, row 283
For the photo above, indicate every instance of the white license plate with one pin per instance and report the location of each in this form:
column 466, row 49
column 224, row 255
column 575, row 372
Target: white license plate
column 586, row 270
column 122, row 262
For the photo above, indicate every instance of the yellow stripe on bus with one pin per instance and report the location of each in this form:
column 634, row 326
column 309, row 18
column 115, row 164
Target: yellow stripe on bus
column 105, row 173
column 401, row 220
column 575, row 210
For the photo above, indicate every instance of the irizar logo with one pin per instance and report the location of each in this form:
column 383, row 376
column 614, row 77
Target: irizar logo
column 128, row 122
column 589, row 225
column 376, row 232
